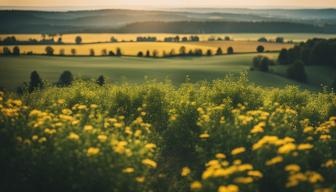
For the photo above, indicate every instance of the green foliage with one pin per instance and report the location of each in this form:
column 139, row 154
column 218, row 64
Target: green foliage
column 36, row 82
column 262, row 63
column 260, row 49
column 65, row 79
column 297, row 72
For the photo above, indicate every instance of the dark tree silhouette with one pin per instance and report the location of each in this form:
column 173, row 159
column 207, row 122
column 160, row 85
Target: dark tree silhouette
column 230, row 50
column 111, row 53
column 279, row 40
column 73, row 52
column 262, row 39
column 172, row 53
column 262, row 63
column 260, row 49
column 114, row 40
column 104, row 52
column 283, row 57
column 36, row 82
column 147, row 53
column 209, row 52
column 297, row 71
column 190, row 52
column 92, row 52
column 65, row 79
column 62, row 52
column 140, row 54
column 219, row 51
column 118, row 52
column 78, row 40
column 101, row 80
column 16, row 51
column 155, row 53
column 182, row 51
column 59, row 40
column 6, row 51
column 49, row 51
column 333, row 85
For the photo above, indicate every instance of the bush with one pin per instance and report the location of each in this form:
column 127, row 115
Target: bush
column 230, row 51
column 262, row 63
column 219, row 51
column 140, row 54
column 260, row 49
column 101, row 80
column 36, row 82
column 6, row 51
column 16, row 51
column 283, row 57
column 118, row 52
column 209, row 52
column 78, row 40
column 92, row 52
column 65, row 79
column 297, row 72
column 73, row 52
column 49, row 51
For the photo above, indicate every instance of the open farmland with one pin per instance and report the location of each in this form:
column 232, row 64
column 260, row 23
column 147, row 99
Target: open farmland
column 106, row 37
column 16, row 70
column 132, row 48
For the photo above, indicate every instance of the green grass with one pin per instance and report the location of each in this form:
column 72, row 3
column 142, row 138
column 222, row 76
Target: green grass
column 15, row 70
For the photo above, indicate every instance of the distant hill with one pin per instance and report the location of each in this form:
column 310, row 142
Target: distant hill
column 197, row 20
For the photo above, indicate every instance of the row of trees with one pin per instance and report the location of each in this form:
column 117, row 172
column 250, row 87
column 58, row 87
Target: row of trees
column 313, row 52
column 50, row 51
column 184, row 52
column 66, row 79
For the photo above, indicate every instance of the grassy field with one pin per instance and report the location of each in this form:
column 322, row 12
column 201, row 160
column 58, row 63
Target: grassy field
column 15, row 70
column 132, row 48
column 103, row 37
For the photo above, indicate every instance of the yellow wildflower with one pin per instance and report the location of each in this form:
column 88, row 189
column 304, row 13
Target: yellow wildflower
column 196, row 185
column 185, row 171
column 274, row 160
column 255, row 174
column 128, row 170
column 238, row 150
column 229, row 188
column 305, row 146
column 293, row 168
column 92, row 151
column 102, row 138
column 243, row 180
column 150, row 163
column 220, row 156
column 204, row 136
column 88, row 128
column 287, row 148
column 140, row 179
column 150, row 146
column 73, row 136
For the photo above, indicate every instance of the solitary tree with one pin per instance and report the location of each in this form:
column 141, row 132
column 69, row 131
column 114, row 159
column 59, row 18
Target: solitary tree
column 101, row 80
column 219, row 51
column 73, row 52
column 279, row 40
column 65, row 79
column 230, row 51
column 104, row 52
column 262, row 39
column 78, row 40
column 147, row 53
column 209, row 52
column 262, row 63
column 111, row 53
column 6, row 51
column 283, row 57
column 35, row 82
column 16, row 51
column 155, row 53
column 62, row 52
column 182, row 51
column 140, row 54
column 118, row 52
column 260, row 49
column 297, row 71
column 49, row 51
column 92, row 52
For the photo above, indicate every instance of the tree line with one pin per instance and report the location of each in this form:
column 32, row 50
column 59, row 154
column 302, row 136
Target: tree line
column 36, row 83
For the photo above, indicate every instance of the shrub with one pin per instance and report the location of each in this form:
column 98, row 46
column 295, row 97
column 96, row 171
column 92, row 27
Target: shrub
column 209, row 52
column 118, row 52
column 36, row 82
column 16, row 51
column 219, row 51
column 260, row 49
column 6, row 51
column 101, row 80
column 140, row 54
column 230, row 51
column 78, row 40
column 297, row 71
column 65, row 79
column 49, row 51
column 92, row 52
column 73, row 52
column 262, row 63
column 283, row 57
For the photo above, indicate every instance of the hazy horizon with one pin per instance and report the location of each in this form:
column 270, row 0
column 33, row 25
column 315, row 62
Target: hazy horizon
column 151, row 4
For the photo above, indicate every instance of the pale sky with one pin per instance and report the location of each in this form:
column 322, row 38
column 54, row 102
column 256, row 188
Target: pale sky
column 172, row 3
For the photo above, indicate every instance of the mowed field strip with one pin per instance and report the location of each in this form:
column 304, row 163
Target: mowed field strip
column 132, row 48
column 15, row 70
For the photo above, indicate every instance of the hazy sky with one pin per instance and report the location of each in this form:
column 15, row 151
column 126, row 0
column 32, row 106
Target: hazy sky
column 171, row 3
